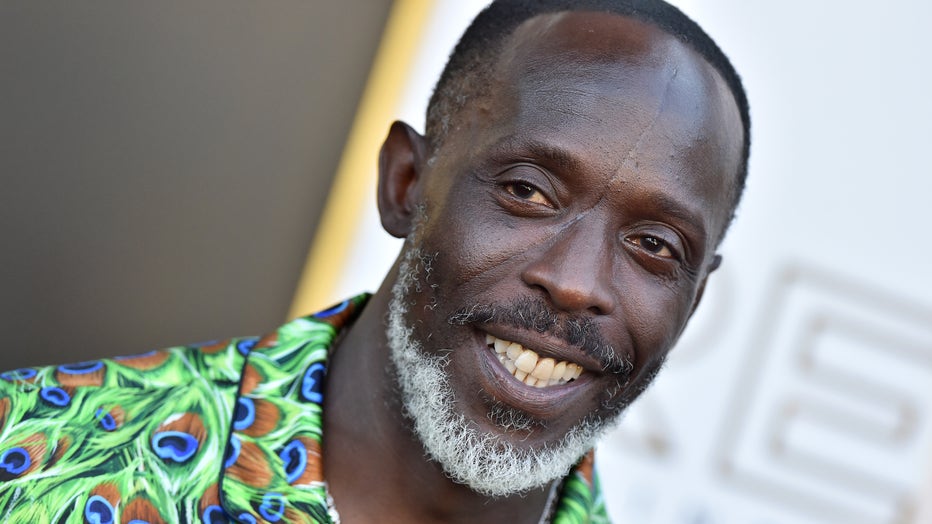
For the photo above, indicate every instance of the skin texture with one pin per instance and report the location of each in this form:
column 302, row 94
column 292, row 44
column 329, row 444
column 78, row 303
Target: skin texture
column 595, row 180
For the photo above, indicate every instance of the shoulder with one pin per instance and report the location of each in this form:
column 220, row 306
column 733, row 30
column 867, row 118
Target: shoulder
column 214, row 361
column 73, row 432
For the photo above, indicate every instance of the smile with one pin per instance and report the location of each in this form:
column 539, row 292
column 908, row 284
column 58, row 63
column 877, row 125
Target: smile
column 528, row 367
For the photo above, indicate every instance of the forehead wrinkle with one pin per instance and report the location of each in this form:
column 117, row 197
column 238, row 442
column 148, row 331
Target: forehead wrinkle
column 646, row 128
column 557, row 93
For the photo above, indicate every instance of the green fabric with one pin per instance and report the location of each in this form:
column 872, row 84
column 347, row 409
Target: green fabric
column 217, row 432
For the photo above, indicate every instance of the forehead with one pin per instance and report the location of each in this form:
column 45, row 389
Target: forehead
column 621, row 96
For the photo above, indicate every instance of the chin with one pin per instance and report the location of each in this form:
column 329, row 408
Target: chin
column 493, row 453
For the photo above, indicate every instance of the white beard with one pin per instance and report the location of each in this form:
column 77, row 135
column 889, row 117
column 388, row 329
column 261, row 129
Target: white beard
column 481, row 460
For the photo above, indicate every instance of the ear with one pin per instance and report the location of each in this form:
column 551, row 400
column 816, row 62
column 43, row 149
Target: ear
column 401, row 164
column 713, row 265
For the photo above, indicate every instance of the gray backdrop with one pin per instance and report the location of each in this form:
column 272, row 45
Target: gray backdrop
column 163, row 165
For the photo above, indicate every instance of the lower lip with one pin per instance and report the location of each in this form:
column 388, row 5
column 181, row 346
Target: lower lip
column 541, row 403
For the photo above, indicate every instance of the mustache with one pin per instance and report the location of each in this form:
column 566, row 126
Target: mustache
column 533, row 314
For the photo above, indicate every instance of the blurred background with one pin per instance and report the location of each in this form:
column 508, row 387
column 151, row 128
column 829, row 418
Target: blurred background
column 165, row 168
column 164, row 164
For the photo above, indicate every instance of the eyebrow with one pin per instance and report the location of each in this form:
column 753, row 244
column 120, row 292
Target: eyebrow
column 671, row 207
column 559, row 157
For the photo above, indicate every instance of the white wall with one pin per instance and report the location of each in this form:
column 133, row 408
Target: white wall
column 802, row 392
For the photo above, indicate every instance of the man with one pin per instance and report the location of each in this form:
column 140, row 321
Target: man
column 581, row 163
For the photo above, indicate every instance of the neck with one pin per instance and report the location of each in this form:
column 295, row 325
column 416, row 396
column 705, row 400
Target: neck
column 376, row 467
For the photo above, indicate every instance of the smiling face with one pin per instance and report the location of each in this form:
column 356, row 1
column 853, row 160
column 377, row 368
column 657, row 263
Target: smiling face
column 569, row 222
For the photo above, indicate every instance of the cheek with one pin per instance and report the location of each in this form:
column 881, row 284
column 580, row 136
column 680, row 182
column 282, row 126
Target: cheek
column 654, row 318
column 478, row 247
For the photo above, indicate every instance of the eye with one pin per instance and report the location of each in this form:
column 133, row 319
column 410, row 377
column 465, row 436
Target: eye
column 527, row 192
column 654, row 245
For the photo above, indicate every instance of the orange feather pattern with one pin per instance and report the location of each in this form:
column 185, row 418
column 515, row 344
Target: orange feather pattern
column 267, row 418
column 314, row 472
column 211, row 498
column 251, row 379
column 140, row 508
column 4, row 410
column 216, row 347
column 95, row 378
column 146, row 361
column 109, row 492
column 252, row 466
column 60, row 448
column 189, row 423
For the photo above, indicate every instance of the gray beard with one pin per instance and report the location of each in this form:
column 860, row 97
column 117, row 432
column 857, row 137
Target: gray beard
column 481, row 460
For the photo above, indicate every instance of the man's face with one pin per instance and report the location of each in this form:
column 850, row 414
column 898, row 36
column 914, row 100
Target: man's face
column 571, row 219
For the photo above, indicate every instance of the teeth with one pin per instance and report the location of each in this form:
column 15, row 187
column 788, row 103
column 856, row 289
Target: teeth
column 527, row 366
column 527, row 361
column 568, row 372
column 572, row 371
column 544, row 369
column 558, row 370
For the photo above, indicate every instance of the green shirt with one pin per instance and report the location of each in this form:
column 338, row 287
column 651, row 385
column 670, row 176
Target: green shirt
column 225, row 431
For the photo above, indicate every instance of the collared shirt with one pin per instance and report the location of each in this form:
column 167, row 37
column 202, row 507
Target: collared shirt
column 225, row 431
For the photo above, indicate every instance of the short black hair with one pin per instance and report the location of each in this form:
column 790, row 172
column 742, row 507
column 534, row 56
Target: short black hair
column 467, row 73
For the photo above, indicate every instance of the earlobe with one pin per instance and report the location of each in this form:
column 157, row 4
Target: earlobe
column 713, row 265
column 716, row 261
column 401, row 163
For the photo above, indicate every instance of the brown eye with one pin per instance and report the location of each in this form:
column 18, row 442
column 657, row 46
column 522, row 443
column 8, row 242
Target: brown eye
column 523, row 191
column 527, row 192
column 654, row 245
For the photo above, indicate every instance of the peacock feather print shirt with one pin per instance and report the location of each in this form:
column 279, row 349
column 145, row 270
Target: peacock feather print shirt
column 219, row 432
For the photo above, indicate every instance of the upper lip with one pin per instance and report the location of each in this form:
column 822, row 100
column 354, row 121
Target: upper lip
column 546, row 346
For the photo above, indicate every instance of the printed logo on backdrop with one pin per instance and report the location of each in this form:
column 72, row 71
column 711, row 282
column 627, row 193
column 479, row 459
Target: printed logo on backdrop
column 820, row 414
column 831, row 413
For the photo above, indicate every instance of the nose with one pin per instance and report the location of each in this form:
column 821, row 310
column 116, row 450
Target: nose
column 575, row 271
